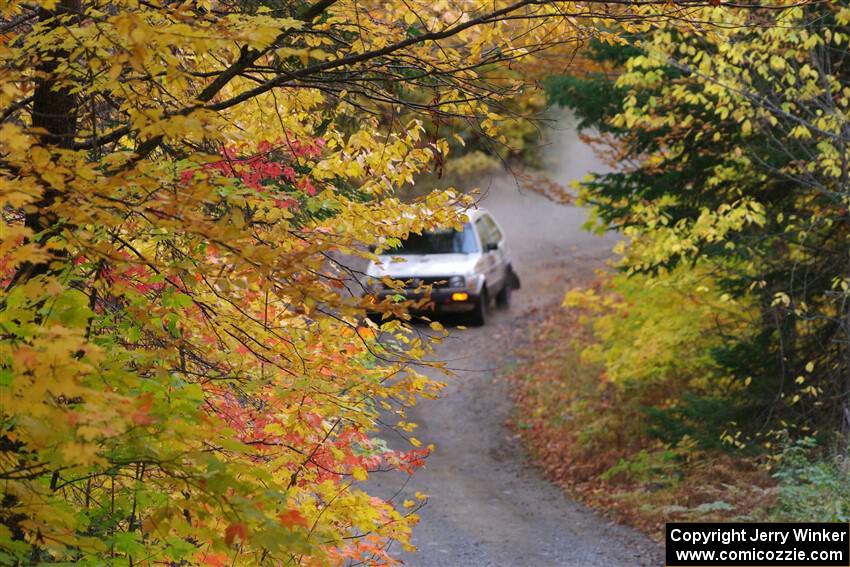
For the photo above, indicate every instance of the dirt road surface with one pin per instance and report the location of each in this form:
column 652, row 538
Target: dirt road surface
column 488, row 505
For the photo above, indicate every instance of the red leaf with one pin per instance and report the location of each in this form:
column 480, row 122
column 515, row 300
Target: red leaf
column 233, row 531
column 292, row 518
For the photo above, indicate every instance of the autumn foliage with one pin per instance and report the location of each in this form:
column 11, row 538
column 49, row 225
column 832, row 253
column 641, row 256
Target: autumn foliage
column 183, row 367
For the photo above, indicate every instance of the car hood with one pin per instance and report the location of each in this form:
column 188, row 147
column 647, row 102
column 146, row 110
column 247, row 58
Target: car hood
column 423, row 265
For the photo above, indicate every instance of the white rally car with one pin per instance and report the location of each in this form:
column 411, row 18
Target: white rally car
column 459, row 271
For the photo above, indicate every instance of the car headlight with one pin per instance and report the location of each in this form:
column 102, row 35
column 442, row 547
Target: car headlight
column 457, row 281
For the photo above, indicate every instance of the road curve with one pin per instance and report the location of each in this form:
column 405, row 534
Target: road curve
column 487, row 505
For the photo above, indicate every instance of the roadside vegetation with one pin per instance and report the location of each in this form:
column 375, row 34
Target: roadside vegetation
column 706, row 375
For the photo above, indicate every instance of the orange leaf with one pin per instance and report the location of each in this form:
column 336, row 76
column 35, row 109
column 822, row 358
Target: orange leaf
column 142, row 414
column 214, row 559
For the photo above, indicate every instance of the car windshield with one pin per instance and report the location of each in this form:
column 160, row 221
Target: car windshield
column 447, row 242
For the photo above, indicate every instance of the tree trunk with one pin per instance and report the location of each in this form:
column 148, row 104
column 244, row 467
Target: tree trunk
column 55, row 113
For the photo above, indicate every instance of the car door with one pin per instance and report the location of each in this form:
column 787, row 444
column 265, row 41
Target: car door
column 490, row 237
column 502, row 253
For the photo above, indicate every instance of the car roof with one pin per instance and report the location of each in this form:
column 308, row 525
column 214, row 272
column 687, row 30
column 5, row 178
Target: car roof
column 472, row 214
column 476, row 213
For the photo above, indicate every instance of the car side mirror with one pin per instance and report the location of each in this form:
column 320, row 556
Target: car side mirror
column 491, row 246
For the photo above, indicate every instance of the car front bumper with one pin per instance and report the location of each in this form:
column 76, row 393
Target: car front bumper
column 439, row 300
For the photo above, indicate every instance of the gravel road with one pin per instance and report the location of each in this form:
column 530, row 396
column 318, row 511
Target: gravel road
column 488, row 505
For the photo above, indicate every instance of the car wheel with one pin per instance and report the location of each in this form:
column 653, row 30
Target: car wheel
column 479, row 314
column 503, row 298
column 374, row 317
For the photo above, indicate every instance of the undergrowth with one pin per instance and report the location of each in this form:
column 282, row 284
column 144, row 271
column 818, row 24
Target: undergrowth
column 594, row 438
column 812, row 490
